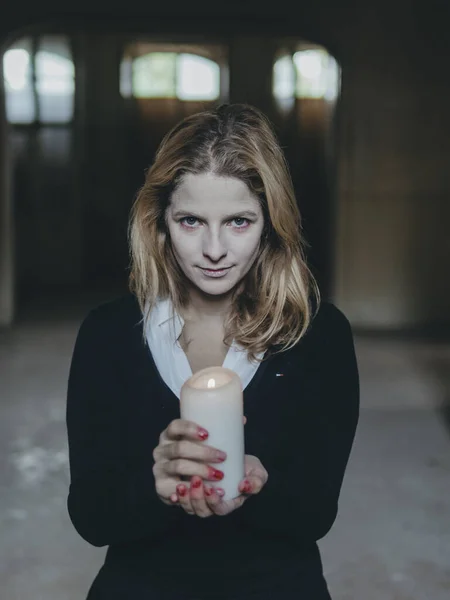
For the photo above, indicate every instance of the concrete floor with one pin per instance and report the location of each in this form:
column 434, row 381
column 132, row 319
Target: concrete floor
column 391, row 540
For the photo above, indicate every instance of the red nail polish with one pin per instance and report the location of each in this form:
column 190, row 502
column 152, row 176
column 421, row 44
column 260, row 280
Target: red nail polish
column 246, row 487
column 202, row 433
column 196, row 483
column 215, row 474
column 208, row 491
column 181, row 489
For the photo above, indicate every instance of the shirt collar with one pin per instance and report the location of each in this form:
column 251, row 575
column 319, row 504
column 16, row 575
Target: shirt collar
column 171, row 326
column 161, row 317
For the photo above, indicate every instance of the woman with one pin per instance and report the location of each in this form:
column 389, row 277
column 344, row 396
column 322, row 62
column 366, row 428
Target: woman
column 218, row 277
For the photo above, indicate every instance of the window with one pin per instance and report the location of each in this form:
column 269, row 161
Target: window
column 39, row 80
column 170, row 75
column 309, row 73
column 19, row 98
column 154, row 75
column 284, row 78
column 317, row 74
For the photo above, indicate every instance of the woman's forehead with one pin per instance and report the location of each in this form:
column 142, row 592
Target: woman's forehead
column 208, row 191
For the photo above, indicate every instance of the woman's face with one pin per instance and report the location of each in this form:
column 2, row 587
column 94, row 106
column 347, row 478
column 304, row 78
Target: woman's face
column 214, row 223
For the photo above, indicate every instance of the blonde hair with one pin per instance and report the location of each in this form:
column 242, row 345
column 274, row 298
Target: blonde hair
column 278, row 296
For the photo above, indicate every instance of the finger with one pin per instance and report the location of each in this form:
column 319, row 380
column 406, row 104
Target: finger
column 225, row 507
column 188, row 468
column 181, row 428
column 245, row 420
column 258, row 471
column 213, row 497
column 184, row 499
column 252, row 484
column 193, row 451
column 197, row 497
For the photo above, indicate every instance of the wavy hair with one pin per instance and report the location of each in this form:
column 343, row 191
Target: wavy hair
column 273, row 307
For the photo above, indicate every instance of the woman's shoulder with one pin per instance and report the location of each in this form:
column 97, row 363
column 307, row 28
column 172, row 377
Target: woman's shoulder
column 329, row 315
column 113, row 315
column 327, row 322
column 327, row 325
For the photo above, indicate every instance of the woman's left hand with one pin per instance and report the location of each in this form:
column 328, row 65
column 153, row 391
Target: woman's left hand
column 203, row 501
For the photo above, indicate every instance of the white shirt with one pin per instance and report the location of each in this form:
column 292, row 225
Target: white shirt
column 171, row 360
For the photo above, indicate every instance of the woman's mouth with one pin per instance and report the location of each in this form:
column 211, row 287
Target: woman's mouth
column 215, row 272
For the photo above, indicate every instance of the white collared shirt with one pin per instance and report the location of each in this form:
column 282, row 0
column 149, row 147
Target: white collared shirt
column 171, row 360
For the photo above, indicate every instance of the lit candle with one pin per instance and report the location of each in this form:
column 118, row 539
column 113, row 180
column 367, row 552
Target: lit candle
column 213, row 399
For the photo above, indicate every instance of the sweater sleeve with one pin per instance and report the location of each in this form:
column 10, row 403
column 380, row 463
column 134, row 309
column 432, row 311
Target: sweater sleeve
column 112, row 497
column 300, row 499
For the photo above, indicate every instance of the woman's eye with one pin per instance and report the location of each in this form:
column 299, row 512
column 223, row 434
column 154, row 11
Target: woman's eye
column 185, row 219
column 240, row 219
column 240, row 222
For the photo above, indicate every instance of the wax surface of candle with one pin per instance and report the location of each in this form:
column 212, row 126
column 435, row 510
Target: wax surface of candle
column 213, row 398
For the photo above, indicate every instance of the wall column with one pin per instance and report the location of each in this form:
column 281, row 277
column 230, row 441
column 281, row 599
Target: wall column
column 6, row 222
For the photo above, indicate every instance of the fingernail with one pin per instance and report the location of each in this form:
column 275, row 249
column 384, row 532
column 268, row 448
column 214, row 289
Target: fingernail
column 208, row 491
column 220, row 492
column 202, row 433
column 196, row 482
column 221, row 455
column 246, row 487
column 181, row 489
column 215, row 474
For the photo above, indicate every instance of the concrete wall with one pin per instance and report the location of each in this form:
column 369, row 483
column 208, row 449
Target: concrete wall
column 391, row 246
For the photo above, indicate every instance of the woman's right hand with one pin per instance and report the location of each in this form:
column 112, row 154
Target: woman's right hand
column 181, row 452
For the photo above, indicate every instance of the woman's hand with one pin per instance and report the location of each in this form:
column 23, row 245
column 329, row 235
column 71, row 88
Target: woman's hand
column 181, row 453
column 202, row 500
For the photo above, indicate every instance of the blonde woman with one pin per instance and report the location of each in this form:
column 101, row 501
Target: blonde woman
column 218, row 278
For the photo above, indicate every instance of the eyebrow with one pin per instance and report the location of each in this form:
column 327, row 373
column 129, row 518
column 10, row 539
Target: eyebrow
column 239, row 214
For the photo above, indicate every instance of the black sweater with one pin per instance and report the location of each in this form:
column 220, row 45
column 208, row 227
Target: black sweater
column 300, row 424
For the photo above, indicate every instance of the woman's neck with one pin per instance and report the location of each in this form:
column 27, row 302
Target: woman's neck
column 200, row 308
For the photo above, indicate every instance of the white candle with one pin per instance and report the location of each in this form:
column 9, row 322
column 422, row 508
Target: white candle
column 213, row 398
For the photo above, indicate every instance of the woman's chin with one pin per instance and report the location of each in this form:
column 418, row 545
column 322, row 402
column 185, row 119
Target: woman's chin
column 213, row 288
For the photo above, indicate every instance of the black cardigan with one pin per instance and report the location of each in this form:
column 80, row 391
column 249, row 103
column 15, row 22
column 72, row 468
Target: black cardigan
column 302, row 408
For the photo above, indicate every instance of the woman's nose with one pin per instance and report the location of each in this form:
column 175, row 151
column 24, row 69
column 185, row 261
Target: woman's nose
column 213, row 246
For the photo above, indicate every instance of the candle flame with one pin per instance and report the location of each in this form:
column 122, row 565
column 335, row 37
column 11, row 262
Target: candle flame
column 211, row 383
